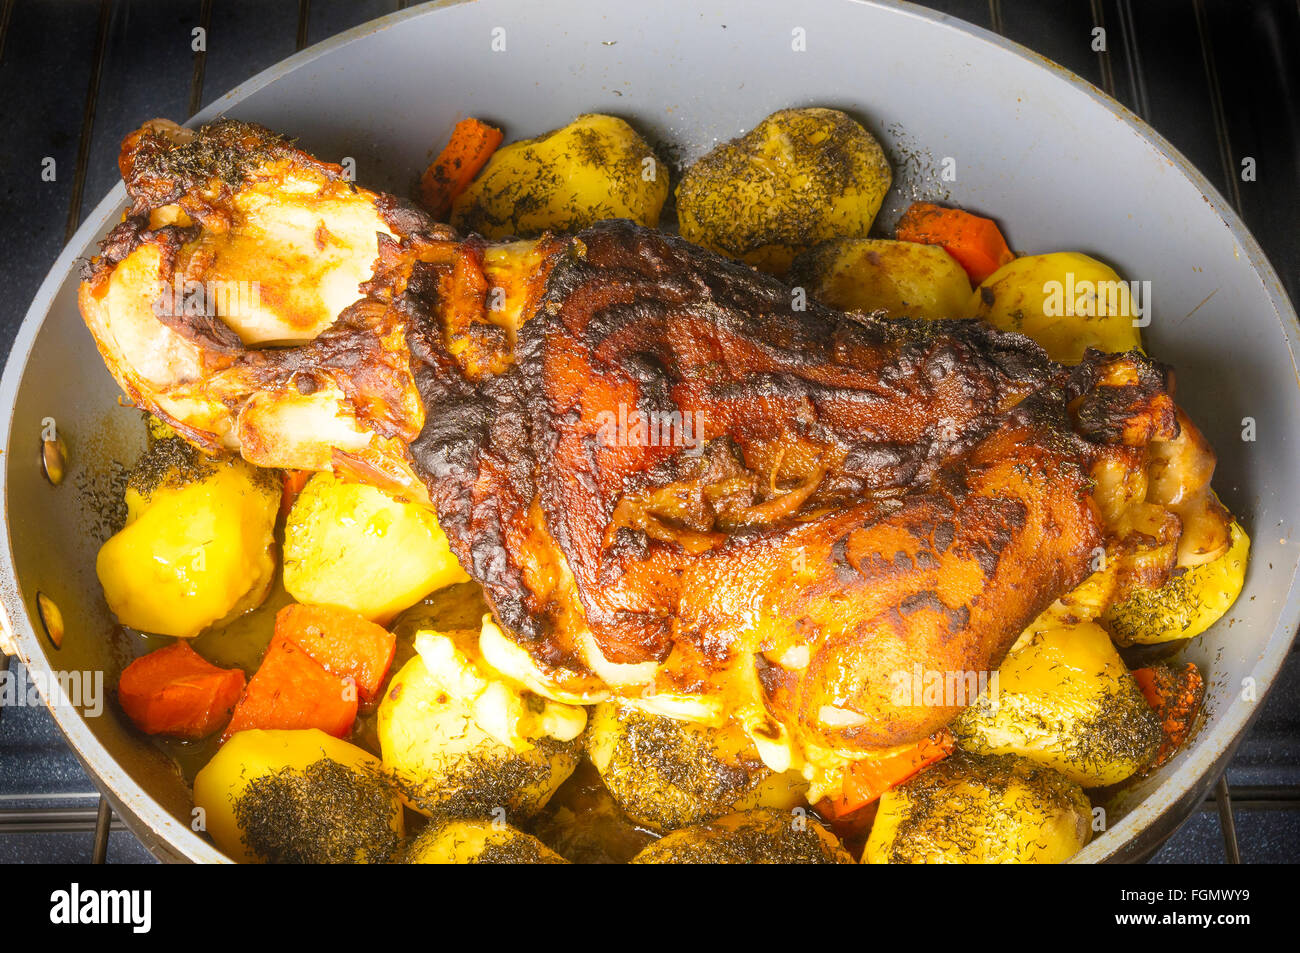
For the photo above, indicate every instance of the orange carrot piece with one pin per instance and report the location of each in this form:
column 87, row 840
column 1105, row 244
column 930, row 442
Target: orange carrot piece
column 175, row 691
column 975, row 242
column 291, row 484
column 852, row 829
column 1176, row 696
column 471, row 145
column 869, row 778
column 292, row 690
column 342, row 642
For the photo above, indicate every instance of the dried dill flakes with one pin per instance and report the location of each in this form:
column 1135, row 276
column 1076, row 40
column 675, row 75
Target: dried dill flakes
column 102, row 492
column 800, row 177
column 667, row 776
column 225, row 150
column 754, row 837
column 967, row 802
column 514, row 850
column 481, row 780
column 327, row 813
column 1117, row 728
column 476, row 842
column 171, row 462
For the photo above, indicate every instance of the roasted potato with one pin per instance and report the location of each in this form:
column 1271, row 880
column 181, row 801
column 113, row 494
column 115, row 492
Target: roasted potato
column 799, row 178
column 903, row 279
column 666, row 774
column 459, row 741
column 969, row 809
column 477, row 842
column 298, row 797
column 1065, row 301
column 1188, row 604
column 1064, row 700
column 355, row 547
column 198, row 544
column 761, row 836
column 596, row 167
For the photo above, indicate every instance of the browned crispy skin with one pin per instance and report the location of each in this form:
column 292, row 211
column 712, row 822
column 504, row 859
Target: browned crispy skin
column 945, row 580
column 884, row 493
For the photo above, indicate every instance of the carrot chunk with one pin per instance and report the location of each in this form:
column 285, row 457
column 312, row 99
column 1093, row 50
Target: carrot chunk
column 292, row 690
column 175, row 691
column 346, row 644
column 471, row 145
column 975, row 242
column 291, row 484
column 869, row 778
column 1176, row 695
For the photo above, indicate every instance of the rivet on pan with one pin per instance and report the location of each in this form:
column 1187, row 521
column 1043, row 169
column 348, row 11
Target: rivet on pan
column 51, row 618
column 54, row 457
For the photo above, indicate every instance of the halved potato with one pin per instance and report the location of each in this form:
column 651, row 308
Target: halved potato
column 1188, row 604
column 799, row 178
column 477, row 842
column 666, row 773
column 298, row 797
column 981, row 810
column 903, row 279
column 597, row 167
column 198, row 544
column 1065, row 301
column 355, row 547
column 749, row 837
column 1065, row 700
column 459, row 741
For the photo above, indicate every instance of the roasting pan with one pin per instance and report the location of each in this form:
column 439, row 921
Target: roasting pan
column 1062, row 166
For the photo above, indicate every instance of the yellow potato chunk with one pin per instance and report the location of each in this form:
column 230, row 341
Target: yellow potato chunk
column 355, row 547
column 298, row 797
column 666, row 773
column 761, row 836
column 597, row 167
column 1065, row 700
column 1188, row 604
column 980, row 810
column 902, row 279
column 477, row 842
column 459, row 741
column 197, row 547
column 1065, row 301
column 799, row 178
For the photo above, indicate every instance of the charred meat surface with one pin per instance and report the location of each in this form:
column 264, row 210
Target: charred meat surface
column 682, row 470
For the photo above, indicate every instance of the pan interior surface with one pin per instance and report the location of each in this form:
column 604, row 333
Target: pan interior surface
column 1059, row 166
